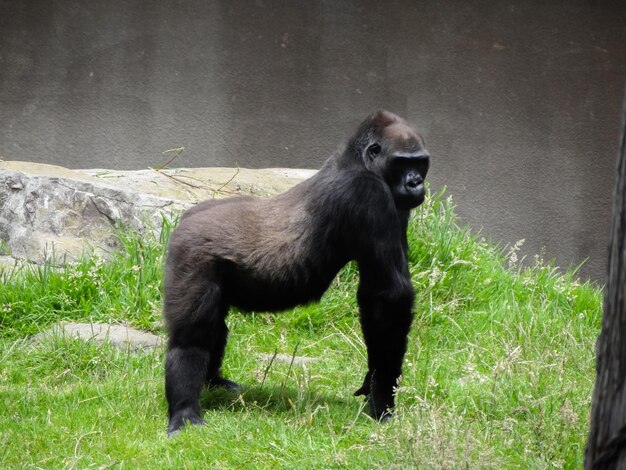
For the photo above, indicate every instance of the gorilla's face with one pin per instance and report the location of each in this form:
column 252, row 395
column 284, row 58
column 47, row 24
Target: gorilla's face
column 405, row 176
column 399, row 157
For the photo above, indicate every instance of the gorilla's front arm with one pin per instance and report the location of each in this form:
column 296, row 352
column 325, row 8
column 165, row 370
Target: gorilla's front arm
column 385, row 297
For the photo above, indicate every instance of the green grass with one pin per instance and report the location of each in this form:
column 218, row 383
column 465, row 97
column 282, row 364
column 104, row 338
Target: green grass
column 498, row 374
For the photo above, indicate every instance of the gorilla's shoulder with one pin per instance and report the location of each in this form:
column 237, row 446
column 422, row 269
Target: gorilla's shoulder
column 354, row 195
column 362, row 187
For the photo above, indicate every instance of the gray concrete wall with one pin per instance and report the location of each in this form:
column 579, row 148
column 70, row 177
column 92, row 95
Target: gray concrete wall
column 518, row 100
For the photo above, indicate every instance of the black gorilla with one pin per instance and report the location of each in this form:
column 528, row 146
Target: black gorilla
column 274, row 253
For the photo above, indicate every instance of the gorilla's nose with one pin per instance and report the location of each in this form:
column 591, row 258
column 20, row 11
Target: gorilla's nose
column 412, row 181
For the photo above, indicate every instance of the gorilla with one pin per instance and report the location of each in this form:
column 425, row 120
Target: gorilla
column 271, row 254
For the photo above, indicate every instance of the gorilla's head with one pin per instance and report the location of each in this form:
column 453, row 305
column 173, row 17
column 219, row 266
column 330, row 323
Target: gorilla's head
column 391, row 149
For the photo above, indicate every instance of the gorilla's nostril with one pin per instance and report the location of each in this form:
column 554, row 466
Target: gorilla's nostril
column 413, row 182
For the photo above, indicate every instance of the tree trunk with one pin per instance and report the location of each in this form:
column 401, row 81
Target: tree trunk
column 606, row 447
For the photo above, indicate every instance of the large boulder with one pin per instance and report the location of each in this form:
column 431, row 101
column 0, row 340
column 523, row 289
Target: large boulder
column 47, row 210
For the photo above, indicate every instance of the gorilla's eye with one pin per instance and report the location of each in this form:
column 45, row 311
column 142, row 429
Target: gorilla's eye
column 374, row 150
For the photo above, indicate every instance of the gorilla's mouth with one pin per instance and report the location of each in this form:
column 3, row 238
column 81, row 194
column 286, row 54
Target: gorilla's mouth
column 411, row 196
column 419, row 188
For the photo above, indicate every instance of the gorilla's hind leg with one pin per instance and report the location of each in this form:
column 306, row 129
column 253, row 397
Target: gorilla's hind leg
column 218, row 344
column 193, row 322
column 185, row 370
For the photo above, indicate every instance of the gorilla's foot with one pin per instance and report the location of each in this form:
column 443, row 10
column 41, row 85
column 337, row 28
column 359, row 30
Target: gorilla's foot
column 382, row 415
column 180, row 419
column 365, row 388
column 221, row 382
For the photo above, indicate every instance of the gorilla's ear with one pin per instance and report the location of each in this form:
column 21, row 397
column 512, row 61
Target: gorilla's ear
column 371, row 151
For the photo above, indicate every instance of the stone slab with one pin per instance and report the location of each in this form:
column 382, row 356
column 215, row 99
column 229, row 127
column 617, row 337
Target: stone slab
column 120, row 336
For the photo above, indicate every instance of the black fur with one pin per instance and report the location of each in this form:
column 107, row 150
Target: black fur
column 272, row 254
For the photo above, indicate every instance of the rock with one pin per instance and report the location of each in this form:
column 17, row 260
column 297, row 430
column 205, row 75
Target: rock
column 299, row 360
column 197, row 184
column 121, row 336
column 50, row 211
